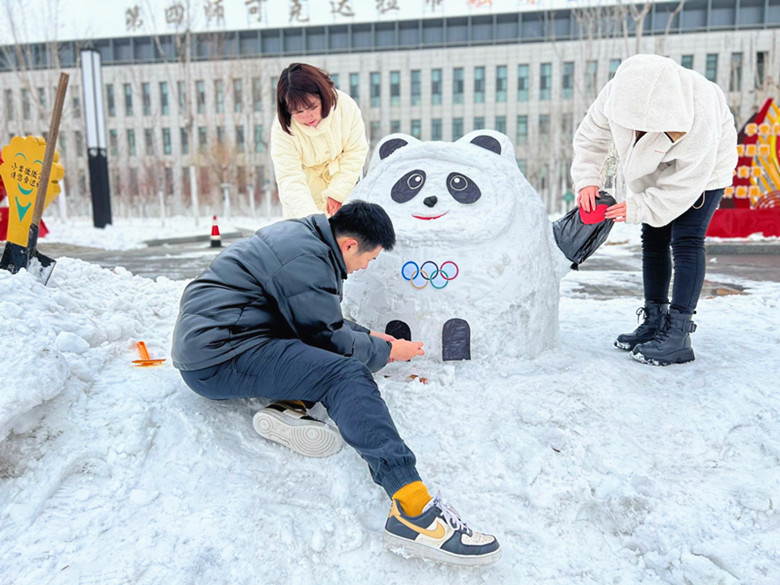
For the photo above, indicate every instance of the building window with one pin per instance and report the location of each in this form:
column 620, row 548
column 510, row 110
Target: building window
column 545, row 81
column 436, row 129
column 500, row 83
column 9, row 104
column 238, row 96
column 128, row 90
column 219, row 96
column 500, row 124
column 711, row 71
column 220, row 135
column 184, row 137
column 479, row 85
column 200, row 93
column 131, row 142
column 522, row 130
column 417, row 129
column 149, row 141
column 26, row 107
column 354, row 86
column 146, row 94
column 113, row 143
column 166, row 140
column 687, row 61
column 202, row 138
column 416, row 87
column 110, row 100
column 240, row 142
column 523, row 83
column 376, row 89
column 544, row 127
column 79, row 143
column 395, row 126
column 567, row 126
column 479, row 122
column 259, row 144
column 591, row 77
column 395, row 88
column 334, row 77
column 436, row 86
column 521, row 164
column 457, row 128
column 168, row 180
column 457, row 85
column 761, row 59
column 613, row 67
column 76, row 102
column 735, row 78
column 257, row 94
column 164, row 101
column 567, row 83
column 181, row 90
column 375, row 132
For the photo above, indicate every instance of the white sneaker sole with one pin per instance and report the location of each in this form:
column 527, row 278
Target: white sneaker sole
column 304, row 437
column 410, row 548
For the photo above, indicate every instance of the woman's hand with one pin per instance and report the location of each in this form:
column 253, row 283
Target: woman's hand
column 332, row 206
column 403, row 350
column 586, row 198
column 617, row 212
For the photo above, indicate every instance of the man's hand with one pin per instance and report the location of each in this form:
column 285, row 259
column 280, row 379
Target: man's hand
column 382, row 336
column 332, row 206
column 403, row 350
column 617, row 212
column 587, row 198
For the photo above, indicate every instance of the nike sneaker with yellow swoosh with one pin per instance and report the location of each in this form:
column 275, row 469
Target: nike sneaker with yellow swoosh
column 440, row 535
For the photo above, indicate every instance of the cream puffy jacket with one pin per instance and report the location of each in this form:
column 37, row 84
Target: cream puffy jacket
column 316, row 163
column 689, row 145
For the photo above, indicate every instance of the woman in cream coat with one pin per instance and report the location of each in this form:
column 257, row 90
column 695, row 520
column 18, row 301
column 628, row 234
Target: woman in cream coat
column 318, row 142
column 677, row 148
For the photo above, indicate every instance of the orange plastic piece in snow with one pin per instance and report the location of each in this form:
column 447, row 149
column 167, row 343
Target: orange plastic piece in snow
column 145, row 361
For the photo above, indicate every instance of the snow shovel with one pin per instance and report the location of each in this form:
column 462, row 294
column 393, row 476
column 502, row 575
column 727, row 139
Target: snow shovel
column 18, row 255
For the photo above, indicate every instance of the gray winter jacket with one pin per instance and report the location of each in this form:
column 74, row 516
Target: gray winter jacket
column 284, row 282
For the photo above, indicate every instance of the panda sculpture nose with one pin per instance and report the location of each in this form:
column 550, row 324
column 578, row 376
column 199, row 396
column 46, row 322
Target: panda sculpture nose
column 430, row 201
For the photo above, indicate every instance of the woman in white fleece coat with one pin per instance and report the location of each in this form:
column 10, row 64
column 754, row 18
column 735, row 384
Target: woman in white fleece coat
column 677, row 148
column 318, row 142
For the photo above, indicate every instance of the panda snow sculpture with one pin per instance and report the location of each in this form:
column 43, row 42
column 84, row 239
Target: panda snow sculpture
column 476, row 270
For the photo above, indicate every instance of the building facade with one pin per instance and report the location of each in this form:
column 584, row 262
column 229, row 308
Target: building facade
column 206, row 101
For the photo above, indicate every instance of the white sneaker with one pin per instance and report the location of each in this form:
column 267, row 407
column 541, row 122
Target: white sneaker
column 440, row 535
column 289, row 424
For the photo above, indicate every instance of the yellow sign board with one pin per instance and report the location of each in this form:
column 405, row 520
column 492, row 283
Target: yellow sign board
column 21, row 171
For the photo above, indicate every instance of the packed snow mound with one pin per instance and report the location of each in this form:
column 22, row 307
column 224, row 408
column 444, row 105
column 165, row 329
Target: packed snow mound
column 475, row 271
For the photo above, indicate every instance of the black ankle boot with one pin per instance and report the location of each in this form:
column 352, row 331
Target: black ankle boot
column 654, row 317
column 672, row 345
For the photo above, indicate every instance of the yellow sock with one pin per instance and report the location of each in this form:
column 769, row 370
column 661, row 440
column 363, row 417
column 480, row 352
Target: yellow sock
column 413, row 497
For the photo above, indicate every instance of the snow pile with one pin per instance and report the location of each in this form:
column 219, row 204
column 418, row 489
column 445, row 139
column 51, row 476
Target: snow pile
column 589, row 467
column 475, row 251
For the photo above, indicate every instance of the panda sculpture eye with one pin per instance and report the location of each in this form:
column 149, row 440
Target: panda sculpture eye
column 407, row 186
column 463, row 189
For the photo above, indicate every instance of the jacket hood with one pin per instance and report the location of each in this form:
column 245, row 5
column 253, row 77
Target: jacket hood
column 651, row 93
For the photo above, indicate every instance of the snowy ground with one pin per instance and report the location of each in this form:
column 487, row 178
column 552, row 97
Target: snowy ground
column 589, row 467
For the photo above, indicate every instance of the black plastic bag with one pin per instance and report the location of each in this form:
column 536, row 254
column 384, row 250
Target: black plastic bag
column 577, row 239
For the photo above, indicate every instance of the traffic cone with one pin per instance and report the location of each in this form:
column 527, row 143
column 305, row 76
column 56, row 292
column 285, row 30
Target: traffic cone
column 216, row 239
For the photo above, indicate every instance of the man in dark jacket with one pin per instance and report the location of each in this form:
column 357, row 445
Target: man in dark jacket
column 264, row 320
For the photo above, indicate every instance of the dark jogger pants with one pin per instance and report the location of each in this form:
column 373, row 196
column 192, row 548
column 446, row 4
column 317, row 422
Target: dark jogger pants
column 288, row 369
column 685, row 235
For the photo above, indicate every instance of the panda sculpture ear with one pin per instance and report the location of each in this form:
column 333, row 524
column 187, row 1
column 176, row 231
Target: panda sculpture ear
column 389, row 147
column 487, row 142
column 492, row 141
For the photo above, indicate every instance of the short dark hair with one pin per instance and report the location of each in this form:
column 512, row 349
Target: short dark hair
column 368, row 223
column 296, row 84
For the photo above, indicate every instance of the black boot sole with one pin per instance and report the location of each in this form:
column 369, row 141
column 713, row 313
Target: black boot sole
column 680, row 357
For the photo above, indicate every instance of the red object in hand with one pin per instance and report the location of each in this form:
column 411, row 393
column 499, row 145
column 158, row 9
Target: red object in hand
column 595, row 215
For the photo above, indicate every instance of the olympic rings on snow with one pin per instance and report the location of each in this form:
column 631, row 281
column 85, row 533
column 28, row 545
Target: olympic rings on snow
column 419, row 277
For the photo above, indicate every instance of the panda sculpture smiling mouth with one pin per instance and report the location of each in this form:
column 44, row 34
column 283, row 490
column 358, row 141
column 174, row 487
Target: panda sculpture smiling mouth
column 428, row 217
